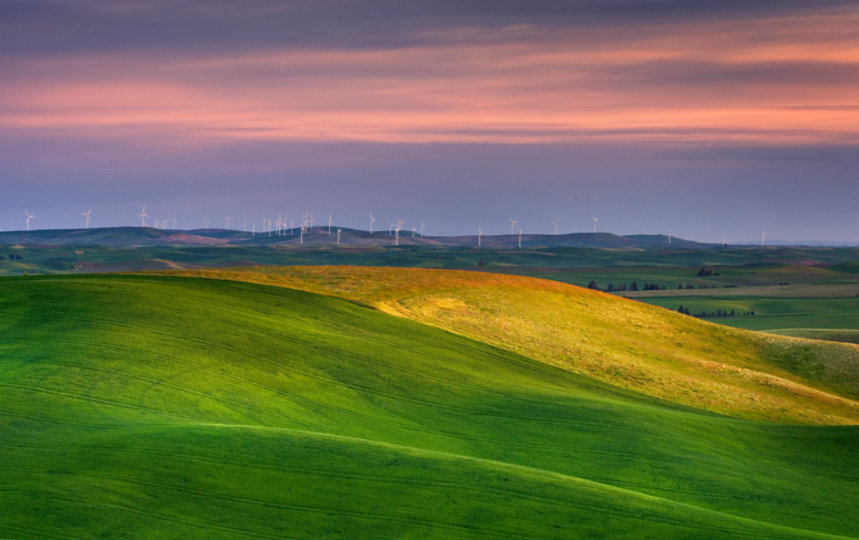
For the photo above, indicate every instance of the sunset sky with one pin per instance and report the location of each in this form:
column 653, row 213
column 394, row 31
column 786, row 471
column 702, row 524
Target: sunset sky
column 702, row 116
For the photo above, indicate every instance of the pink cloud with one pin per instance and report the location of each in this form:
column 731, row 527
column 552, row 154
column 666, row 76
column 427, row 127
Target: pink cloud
column 769, row 81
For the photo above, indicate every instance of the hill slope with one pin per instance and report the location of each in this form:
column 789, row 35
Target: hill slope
column 163, row 406
column 320, row 236
column 642, row 347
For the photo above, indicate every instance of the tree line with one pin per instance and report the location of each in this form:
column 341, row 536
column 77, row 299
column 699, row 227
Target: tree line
column 634, row 286
column 718, row 313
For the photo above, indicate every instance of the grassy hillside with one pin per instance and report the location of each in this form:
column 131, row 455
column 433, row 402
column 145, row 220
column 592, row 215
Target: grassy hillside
column 641, row 347
column 171, row 407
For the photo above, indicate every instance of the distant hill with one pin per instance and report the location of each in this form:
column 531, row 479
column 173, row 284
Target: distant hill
column 319, row 236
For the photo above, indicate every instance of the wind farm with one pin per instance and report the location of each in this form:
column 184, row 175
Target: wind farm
column 589, row 270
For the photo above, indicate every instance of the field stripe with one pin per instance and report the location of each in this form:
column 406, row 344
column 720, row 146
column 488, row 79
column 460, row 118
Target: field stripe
column 524, row 469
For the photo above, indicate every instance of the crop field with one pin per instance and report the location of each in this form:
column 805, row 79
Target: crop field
column 164, row 406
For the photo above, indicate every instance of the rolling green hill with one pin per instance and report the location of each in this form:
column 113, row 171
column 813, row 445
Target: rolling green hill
column 142, row 406
column 630, row 344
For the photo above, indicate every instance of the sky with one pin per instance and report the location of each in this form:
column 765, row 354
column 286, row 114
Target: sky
column 711, row 118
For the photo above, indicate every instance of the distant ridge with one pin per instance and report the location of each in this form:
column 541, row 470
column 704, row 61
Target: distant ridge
column 319, row 237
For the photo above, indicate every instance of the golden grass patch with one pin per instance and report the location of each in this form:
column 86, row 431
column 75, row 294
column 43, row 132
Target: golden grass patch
column 646, row 348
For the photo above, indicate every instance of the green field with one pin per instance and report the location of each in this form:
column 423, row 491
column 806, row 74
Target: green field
column 771, row 313
column 178, row 407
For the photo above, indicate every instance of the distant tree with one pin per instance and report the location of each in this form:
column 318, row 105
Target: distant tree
column 679, row 285
column 610, row 287
column 633, row 286
column 704, row 271
column 593, row 285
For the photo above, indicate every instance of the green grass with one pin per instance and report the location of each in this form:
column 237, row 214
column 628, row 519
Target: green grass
column 773, row 313
column 828, row 334
column 170, row 407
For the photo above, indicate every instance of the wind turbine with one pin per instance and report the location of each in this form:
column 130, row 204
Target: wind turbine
column 512, row 224
column 338, row 235
column 397, row 231
column 227, row 220
column 29, row 217
column 205, row 223
column 422, row 228
column 555, row 223
column 143, row 215
column 304, row 219
column 595, row 223
column 330, row 219
column 86, row 218
column 372, row 219
column 763, row 238
column 520, row 237
column 669, row 236
column 479, row 236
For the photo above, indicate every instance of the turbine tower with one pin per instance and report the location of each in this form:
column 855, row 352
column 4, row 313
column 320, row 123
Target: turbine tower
column 520, row 237
column 555, row 225
column 372, row 219
column 669, row 236
column 330, row 219
column 86, row 218
column 595, row 223
column 512, row 224
column 28, row 218
column 205, row 223
column 422, row 228
column 397, row 231
column 763, row 238
column 338, row 235
column 227, row 220
column 479, row 236
column 143, row 215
